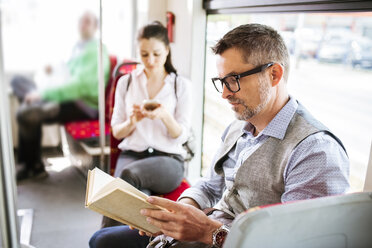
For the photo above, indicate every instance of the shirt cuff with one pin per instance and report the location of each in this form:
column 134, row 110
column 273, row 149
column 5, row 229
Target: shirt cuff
column 183, row 136
column 198, row 196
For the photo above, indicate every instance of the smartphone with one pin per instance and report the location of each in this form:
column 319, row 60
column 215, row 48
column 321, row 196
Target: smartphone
column 150, row 105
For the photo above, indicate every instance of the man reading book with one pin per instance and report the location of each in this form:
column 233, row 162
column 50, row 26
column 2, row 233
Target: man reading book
column 274, row 152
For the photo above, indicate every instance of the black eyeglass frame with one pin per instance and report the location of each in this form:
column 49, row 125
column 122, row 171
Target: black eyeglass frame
column 239, row 76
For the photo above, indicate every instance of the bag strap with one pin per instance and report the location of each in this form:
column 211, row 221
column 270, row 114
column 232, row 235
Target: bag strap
column 129, row 80
column 175, row 86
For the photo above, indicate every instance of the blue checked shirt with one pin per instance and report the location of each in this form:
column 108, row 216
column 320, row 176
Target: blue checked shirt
column 317, row 167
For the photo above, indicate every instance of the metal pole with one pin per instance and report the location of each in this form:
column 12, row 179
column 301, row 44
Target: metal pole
column 101, row 94
column 134, row 27
column 8, row 220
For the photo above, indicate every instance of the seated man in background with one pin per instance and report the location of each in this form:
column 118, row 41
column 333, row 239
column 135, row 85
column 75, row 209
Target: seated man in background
column 274, row 152
column 75, row 99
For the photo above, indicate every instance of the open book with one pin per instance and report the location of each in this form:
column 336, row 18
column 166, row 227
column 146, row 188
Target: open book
column 117, row 199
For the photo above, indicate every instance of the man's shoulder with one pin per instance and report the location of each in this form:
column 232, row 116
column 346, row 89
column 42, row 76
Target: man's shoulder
column 315, row 129
column 321, row 141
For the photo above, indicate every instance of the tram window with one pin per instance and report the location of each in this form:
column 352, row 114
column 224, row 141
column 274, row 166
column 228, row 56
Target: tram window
column 331, row 71
column 33, row 29
column 35, row 34
column 117, row 28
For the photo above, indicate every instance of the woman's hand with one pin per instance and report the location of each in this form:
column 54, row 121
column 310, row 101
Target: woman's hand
column 137, row 114
column 161, row 113
column 158, row 113
column 123, row 130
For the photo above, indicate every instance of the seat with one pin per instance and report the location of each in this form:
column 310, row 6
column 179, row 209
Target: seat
column 88, row 131
column 368, row 179
column 124, row 68
column 175, row 194
column 334, row 222
column 80, row 139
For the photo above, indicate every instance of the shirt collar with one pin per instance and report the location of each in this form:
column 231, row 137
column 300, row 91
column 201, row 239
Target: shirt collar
column 141, row 71
column 277, row 127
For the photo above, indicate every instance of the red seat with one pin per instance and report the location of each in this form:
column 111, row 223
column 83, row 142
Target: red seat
column 88, row 129
column 80, row 130
column 85, row 129
column 126, row 67
column 175, row 194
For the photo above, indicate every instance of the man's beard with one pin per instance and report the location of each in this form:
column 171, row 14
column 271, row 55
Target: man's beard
column 249, row 112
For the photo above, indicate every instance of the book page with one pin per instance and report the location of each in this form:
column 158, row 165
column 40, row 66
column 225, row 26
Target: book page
column 117, row 199
column 97, row 181
column 119, row 183
column 125, row 207
column 129, row 188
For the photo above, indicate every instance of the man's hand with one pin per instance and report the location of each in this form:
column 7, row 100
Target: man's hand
column 182, row 221
column 187, row 200
column 33, row 96
column 142, row 233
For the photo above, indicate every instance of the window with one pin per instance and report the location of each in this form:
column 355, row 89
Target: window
column 40, row 32
column 331, row 71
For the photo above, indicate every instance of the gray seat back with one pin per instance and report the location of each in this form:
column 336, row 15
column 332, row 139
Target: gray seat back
column 368, row 179
column 332, row 222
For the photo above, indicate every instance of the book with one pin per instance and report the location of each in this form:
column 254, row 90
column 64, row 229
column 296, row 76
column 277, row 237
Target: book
column 118, row 200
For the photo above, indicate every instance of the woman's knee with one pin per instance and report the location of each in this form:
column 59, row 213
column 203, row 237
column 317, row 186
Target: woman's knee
column 165, row 174
column 131, row 177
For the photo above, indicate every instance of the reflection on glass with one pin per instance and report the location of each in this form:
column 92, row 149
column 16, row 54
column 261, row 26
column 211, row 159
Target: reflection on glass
column 54, row 45
column 331, row 69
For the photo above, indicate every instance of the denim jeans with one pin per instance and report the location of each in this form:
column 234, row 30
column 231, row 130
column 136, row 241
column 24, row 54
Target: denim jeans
column 118, row 237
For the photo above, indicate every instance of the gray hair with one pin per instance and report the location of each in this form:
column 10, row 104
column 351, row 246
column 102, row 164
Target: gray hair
column 259, row 44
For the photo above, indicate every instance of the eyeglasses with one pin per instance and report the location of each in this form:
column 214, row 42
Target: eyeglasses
column 232, row 81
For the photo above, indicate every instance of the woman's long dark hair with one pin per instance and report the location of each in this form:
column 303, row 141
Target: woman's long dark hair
column 158, row 31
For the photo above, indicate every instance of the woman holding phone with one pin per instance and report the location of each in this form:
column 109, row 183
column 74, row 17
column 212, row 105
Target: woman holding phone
column 152, row 115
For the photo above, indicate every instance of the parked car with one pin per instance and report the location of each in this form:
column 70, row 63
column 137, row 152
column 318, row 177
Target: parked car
column 335, row 46
column 361, row 55
column 334, row 51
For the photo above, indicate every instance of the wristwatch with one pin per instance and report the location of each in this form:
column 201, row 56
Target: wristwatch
column 219, row 236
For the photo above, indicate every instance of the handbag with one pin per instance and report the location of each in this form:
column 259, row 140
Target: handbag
column 163, row 241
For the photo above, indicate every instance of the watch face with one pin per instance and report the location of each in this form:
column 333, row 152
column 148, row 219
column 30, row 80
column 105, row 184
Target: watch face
column 220, row 237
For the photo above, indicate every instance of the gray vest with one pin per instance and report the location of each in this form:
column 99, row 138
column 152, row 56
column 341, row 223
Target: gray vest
column 259, row 180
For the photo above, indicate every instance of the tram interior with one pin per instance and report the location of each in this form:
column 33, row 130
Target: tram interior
column 331, row 72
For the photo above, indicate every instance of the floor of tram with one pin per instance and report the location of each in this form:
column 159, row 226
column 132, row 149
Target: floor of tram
column 59, row 216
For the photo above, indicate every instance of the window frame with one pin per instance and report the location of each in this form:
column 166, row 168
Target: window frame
column 284, row 6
